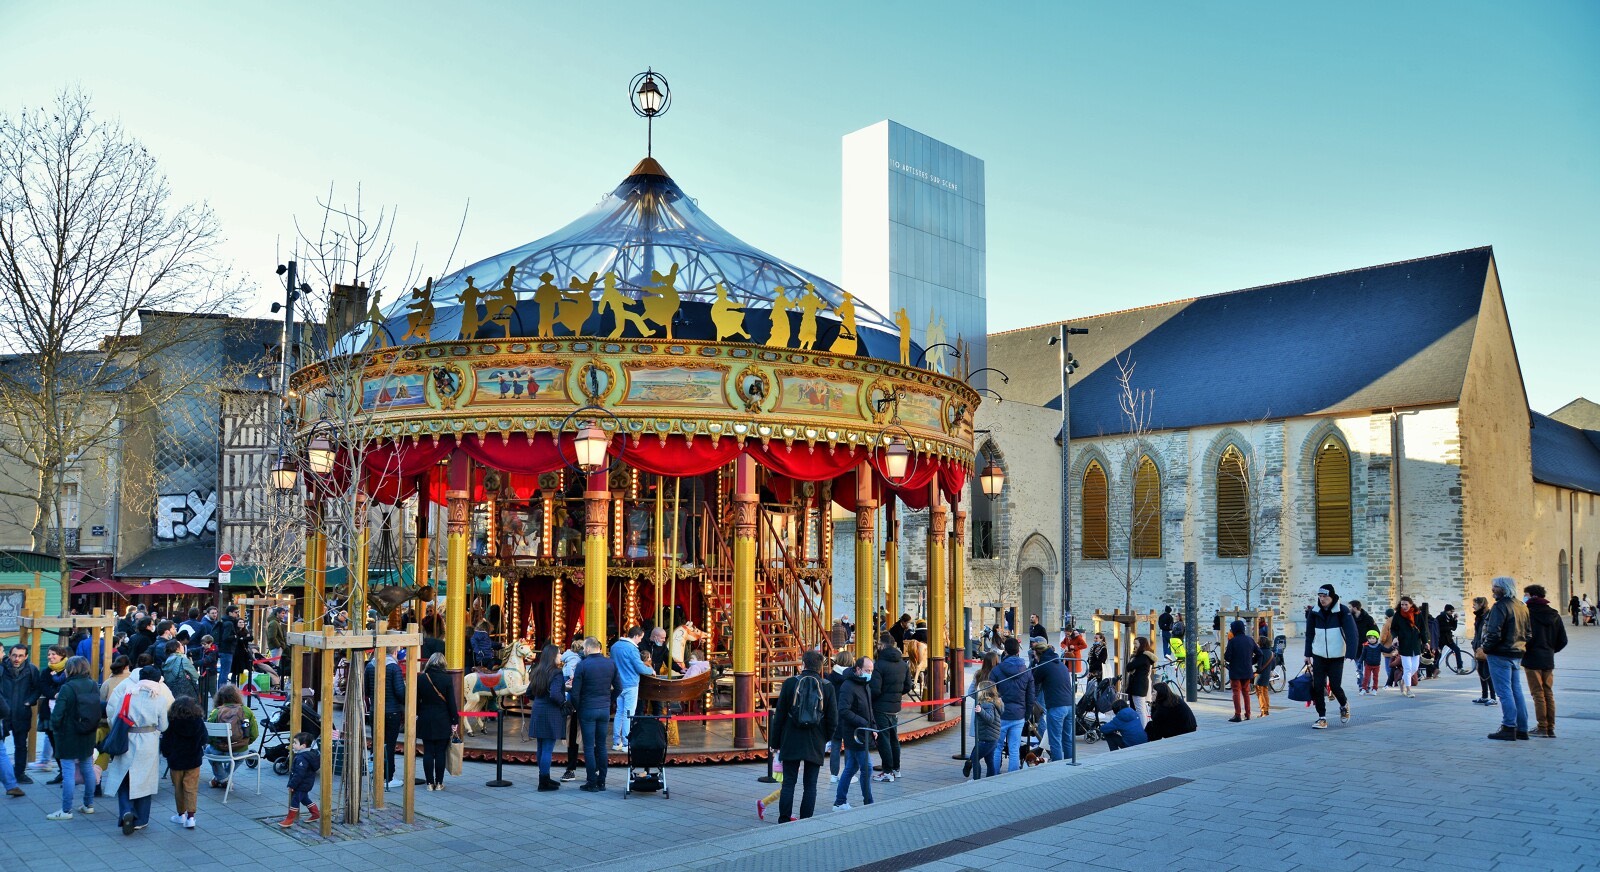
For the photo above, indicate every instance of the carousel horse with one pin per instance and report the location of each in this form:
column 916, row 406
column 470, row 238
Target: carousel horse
column 509, row 680
column 916, row 663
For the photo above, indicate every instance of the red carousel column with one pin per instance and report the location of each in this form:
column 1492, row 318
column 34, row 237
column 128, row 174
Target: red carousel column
column 866, row 557
column 744, row 599
column 938, row 524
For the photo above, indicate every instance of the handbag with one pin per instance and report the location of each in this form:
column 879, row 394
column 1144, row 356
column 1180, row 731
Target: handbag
column 1299, row 689
column 452, row 761
column 1478, row 655
column 115, row 743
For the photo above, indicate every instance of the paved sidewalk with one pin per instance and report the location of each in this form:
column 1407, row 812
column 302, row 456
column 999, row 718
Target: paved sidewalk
column 1267, row 794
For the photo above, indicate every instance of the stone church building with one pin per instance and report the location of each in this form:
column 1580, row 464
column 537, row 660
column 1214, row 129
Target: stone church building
column 1367, row 429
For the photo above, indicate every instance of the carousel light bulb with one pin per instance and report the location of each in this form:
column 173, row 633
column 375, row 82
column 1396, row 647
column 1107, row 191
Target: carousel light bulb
column 992, row 480
column 895, row 459
column 320, row 455
column 590, row 447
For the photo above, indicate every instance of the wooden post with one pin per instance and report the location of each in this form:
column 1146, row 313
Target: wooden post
column 413, row 671
column 296, row 671
column 380, row 685
column 326, row 709
column 32, row 637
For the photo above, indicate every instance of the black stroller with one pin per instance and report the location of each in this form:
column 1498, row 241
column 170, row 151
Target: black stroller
column 278, row 753
column 647, row 756
column 1098, row 694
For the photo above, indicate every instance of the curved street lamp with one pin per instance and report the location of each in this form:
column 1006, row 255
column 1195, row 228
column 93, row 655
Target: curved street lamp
column 285, row 478
column 651, row 97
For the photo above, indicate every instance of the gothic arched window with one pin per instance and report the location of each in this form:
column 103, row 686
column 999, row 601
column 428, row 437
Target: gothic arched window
column 1335, row 526
column 1233, row 504
column 1095, row 541
column 1146, row 510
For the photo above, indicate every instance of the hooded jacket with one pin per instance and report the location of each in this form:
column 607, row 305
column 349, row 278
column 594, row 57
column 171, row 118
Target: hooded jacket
column 891, row 681
column 183, row 743
column 1324, row 626
column 1547, row 635
column 1017, row 692
column 855, row 711
column 1050, row 680
column 1240, row 654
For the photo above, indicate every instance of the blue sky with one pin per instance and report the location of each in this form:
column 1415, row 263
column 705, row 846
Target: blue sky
column 1133, row 155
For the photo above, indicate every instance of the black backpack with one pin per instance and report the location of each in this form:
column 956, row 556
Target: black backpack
column 88, row 712
column 807, row 710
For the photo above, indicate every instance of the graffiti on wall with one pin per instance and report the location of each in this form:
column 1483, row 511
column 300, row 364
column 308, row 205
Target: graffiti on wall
column 185, row 516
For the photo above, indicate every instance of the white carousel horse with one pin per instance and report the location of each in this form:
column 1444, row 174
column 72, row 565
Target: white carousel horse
column 509, row 680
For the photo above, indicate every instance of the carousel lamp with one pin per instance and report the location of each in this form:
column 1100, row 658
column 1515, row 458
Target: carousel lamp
column 992, row 480
column 590, row 447
column 320, row 455
column 649, row 96
column 284, row 476
column 895, row 459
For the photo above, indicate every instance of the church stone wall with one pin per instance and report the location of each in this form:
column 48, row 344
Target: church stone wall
column 1565, row 521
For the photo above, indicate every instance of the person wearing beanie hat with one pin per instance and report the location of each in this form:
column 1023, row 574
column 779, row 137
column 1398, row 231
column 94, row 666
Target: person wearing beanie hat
column 1505, row 640
column 1330, row 641
column 1372, row 652
column 1240, row 657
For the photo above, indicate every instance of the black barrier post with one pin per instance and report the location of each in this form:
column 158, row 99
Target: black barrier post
column 1191, row 614
column 767, row 778
column 499, row 747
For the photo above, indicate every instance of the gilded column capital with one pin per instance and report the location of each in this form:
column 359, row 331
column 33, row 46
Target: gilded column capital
column 939, row 522
column 960, row 531
column 866, row 521
column 744, row 515
column 596, row 513
column 458, row 504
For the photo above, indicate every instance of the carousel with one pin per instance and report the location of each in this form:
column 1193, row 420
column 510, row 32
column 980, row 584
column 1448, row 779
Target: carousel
column 641, row 420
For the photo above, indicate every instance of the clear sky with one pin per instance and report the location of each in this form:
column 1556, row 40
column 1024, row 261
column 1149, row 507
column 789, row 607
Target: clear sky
column 1134, row 153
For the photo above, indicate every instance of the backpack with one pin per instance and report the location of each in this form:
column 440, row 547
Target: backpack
column 233, row 716
column 179, row 680
column 807, row 710
column 89, row 713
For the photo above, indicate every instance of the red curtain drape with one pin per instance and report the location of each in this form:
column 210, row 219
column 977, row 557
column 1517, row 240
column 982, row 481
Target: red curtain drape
column 677, row 456
column 517, row 452
column 806, row 463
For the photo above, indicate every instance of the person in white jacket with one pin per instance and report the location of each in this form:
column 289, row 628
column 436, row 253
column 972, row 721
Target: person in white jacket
column 137, row 774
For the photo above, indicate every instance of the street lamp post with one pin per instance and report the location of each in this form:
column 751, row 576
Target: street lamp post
column 1068, row 364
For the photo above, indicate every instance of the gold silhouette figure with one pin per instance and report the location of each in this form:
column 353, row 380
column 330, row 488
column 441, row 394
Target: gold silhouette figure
column 846, row 341
column 577, row 306
column 419, row 324
column 662, row 303
column 903, row 321
column 728, row 318
column 375, row 318
column 502, row 303
column 779, row 336
column 809, row 305
column 470, row 319
column 547, row 297
column 935, row 336
column 614, row 300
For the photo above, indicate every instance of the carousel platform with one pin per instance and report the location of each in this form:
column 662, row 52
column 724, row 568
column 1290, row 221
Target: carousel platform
column 698, row 741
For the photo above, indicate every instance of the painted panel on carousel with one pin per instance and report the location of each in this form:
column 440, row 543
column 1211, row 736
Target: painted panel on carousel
column 520, row 384
column 394, row 392
column 674, row 386
column 813, row 395
column 921, row 410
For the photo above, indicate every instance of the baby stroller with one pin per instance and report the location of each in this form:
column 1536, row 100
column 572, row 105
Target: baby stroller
column 1089, row 708
column 647, row 756
column 277, row 727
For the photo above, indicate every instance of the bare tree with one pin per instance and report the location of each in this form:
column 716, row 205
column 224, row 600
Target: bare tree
column 1133, row 504
column 92, row 253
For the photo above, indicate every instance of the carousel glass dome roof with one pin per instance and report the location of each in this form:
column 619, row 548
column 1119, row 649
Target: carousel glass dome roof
column 647, row 224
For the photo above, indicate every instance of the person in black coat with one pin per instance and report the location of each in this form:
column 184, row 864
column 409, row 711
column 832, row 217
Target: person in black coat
column 801, row 747
column 437, row 719
column 1240, row 658
column 19, row 684
column 856, row 729
column 547, row 719
column 891, row 681
column 226, row 635
column 1547, row 635
column 394, row 709
column 183, row 744
column 1169, row 715
column 595, row 684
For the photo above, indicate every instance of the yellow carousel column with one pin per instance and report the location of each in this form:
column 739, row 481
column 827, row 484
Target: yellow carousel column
column 596, row 515
column 938, row 522
column 891, row 559
column 458, row 503
column 866, row 557
column 745, row 506
column 422, row 561
column 958, row 604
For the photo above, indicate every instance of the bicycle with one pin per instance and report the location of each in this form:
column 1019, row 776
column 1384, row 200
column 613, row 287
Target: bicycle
column 1460, row 662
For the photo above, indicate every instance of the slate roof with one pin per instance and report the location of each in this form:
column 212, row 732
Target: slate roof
column 177, row 561
column 1565, row 456
column 1582, row 413
column 1397, row 335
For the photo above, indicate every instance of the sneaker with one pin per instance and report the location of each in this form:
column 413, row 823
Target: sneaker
column 23, row 778
column 883, row 776
column 1321, row 724
column 833, row 779
column 395, row 784
column 188, row 822
column 1344, row 715
column 569, row 775
column 1235, row 719
column 177, row 819
column 616, row 746
column 40, row 766
column 761, row 810
column 843, row 806
column 59, row 816
column 15, row 792
column 85, row 809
